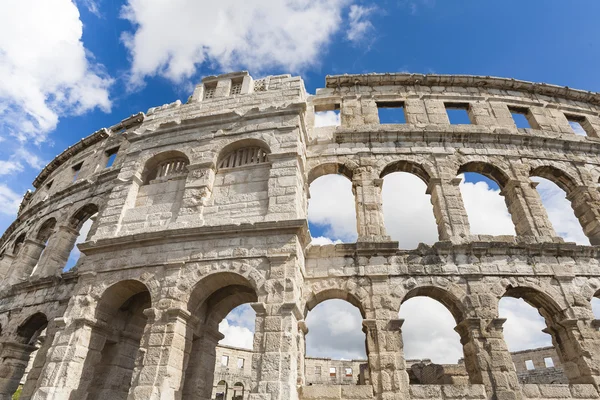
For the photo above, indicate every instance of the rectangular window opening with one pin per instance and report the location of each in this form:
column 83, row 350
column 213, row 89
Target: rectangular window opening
column 458, row 113
column 521, row 117
column 224, row 360
column 579, row 125
column 76, row 170
column 236, row 87
column 318, row 370
column 111, row 156
column 327, row 115
column 332, row 372
column 549, row 362
column 529, row 365
column 209, row 91
column 391, row 112
column 240, row 363
column 49, row 185
column 348, row 372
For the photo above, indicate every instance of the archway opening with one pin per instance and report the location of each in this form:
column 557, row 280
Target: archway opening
column 20, row 358
column 84, row 234
column 332, row 210
column 559, row 210
column 238, row 391
column 222, row 336
column 407, row 210
column 486, row 207
column 432, row 347
column 596, row 306
column 221, row 391
column 528, row 337
column 336, row 352
column 121, row 323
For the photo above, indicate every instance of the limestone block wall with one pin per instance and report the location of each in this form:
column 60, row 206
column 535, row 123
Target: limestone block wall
column 204, row 208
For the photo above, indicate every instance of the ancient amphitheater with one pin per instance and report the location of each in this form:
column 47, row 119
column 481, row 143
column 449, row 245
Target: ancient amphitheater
column 203, row 207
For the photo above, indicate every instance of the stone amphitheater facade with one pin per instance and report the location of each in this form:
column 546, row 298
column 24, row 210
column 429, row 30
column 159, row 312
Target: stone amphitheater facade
column 205, row 209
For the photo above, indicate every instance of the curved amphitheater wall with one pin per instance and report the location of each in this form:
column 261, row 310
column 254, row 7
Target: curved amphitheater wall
column 203, row 207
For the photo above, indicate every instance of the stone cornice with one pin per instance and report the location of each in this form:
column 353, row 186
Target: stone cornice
column 400, row 79
column 172, row 235
column 449, row 135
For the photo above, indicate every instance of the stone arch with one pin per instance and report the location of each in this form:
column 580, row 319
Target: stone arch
column 562, row 179
column 317, row 297
column 152, row 165
column 486, row 169
column 82, row 214
column 448, row 299
column 330, row 168
column 16, row 247
column 119, row 292
column 31, row 327
column 46, row 230
column 411, row 167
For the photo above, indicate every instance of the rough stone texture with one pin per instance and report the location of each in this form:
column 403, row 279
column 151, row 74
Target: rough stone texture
column 205, row 208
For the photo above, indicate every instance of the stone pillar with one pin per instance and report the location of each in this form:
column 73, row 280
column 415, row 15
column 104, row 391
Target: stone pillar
column 57, row 252
column 578, row 345
column 487, row 358
column 386, row 359
column 15, row 357
column 286, row 188
column 449, row 209
column 585, row 201
column 75, row 350
column 526, row 209
column 366, row 186
column 5, row 263
column 164, row 349
column 26, row 260
column 197, row 192
column 303, row 331
column 275, row 358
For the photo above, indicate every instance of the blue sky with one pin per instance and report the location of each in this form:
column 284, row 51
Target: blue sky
column 71, row 68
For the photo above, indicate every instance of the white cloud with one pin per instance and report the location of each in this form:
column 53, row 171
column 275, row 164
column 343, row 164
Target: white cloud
column 327, row 118
column 407, row 210
column 9, row 200
column 174, row 38
column 560, row 212
column 486, row 209
column 335, row 330
column 10, row 167
column 523, row 326
column 360, row 26
column 45, row 68
column 428, row 331
column 331, row 206
column 322, row 241
column 237, row 336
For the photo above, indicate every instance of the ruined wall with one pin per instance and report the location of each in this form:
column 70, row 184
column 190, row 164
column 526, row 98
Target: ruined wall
column 204, row 208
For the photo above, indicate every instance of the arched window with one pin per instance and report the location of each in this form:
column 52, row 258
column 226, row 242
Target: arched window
column 331, row 206
column 82, row 221
column 238, row 391
column 217, row 304
column 486, row 207
column 243, row 156
column 165, row 166
column 407, row 208
column 18, row 244
column 553, row 186
column 432, row 347
column 335, row 333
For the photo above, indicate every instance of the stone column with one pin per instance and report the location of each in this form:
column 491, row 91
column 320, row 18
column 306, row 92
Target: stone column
column 275, row 358
column 15, row 357
column 286, row 188
column 449, row 210
column 197, row 192
column 578, row 345
column 164, row 349
column 526, row 209
column 25, row 262
column 585, row 201
column 57, row 252
column 366, row 186
column 5, row 263
column 487, row 358
column 303, row 331
column 74, row 352
column 386, row 359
